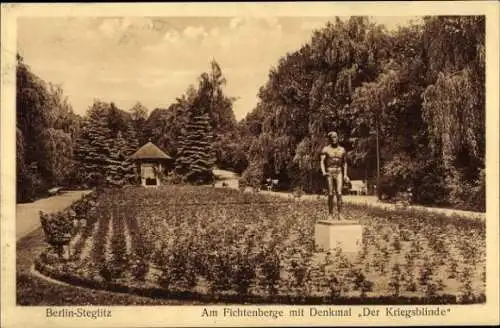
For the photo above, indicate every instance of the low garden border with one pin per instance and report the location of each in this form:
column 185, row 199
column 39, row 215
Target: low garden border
column 155, row 292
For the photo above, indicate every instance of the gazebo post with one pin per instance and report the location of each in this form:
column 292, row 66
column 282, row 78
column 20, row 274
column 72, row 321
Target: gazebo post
column 158, row 175
column 143, row 179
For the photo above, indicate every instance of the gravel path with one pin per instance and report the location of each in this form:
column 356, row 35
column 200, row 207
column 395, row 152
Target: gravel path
column 231, row 180
column 27, row 217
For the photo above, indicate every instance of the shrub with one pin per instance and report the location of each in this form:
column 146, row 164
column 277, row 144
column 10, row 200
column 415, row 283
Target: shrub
column 477, row 199
column 253, row 176
column 466, row 290
column 76, row 177
column 396, row 280
column 244, row 273
column 429, row 187
column 425, row 178
column 469, row 195
column 269, row 271
column 95, row 180
column 387, row 188
column 119, row 259
column 139, row 259
column 177, row 271
column 173, row 178
column 398, row 174
column 58, row 228
column 360, row 282
column 30, row 186
column 430, row 285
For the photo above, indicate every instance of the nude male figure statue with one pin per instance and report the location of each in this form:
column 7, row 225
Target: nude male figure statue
column 333, row 161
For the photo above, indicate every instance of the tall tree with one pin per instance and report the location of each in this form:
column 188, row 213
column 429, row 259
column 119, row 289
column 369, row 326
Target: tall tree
column 211, row 95
column 454, row 101
column 220, row 109
column 57, row 163
column 93, row 150
column 456, row 56
column 139, row 115
column 46, row 131
column 120, row 170
column 196, row 157
column 117, row 119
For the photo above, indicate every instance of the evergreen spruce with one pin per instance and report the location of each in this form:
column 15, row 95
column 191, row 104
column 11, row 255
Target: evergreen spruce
column 93, row 146
column 103, row 152
column 196, row 155
column 115, row 168
column 128, row 166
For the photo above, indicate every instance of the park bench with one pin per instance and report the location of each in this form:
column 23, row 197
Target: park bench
column 54, row 191
column 271, row 184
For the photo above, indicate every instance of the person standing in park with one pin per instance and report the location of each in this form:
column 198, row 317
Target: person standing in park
column 333, row 161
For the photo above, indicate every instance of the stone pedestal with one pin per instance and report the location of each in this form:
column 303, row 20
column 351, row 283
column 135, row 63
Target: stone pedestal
column 347, row 234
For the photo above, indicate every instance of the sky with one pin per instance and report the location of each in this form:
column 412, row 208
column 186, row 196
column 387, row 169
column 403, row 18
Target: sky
column 154, row 59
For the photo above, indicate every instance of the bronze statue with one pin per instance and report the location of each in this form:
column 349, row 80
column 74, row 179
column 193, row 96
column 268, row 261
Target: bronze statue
column 333, row 161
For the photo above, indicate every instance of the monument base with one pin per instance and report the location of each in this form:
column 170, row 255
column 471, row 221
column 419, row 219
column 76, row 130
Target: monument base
column 347, row 234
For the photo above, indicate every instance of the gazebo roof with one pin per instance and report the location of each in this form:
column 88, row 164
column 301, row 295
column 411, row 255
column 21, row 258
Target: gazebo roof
column 150, row 151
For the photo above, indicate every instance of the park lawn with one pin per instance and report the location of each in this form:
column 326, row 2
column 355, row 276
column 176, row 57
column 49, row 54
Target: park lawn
column 207, row 244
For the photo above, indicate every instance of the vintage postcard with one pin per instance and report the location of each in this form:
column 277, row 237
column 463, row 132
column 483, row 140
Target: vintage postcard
column 249, row 164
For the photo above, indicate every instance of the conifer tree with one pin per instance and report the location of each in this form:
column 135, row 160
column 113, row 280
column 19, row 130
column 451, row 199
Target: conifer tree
column 196, row 155
column 128, row 166
column 131, row 137
column 115, row 170
column 93, row 146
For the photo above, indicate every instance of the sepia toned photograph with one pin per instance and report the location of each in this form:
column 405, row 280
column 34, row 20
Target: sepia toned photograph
column 246, row 162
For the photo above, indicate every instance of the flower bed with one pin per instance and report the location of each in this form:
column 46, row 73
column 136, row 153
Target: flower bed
column 245, row 247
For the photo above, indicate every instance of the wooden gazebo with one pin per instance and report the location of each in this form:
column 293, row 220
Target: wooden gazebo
column 151, row 161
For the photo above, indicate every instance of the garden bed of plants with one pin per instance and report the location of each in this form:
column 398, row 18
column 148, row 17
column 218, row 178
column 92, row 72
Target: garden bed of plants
column 213, row 244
